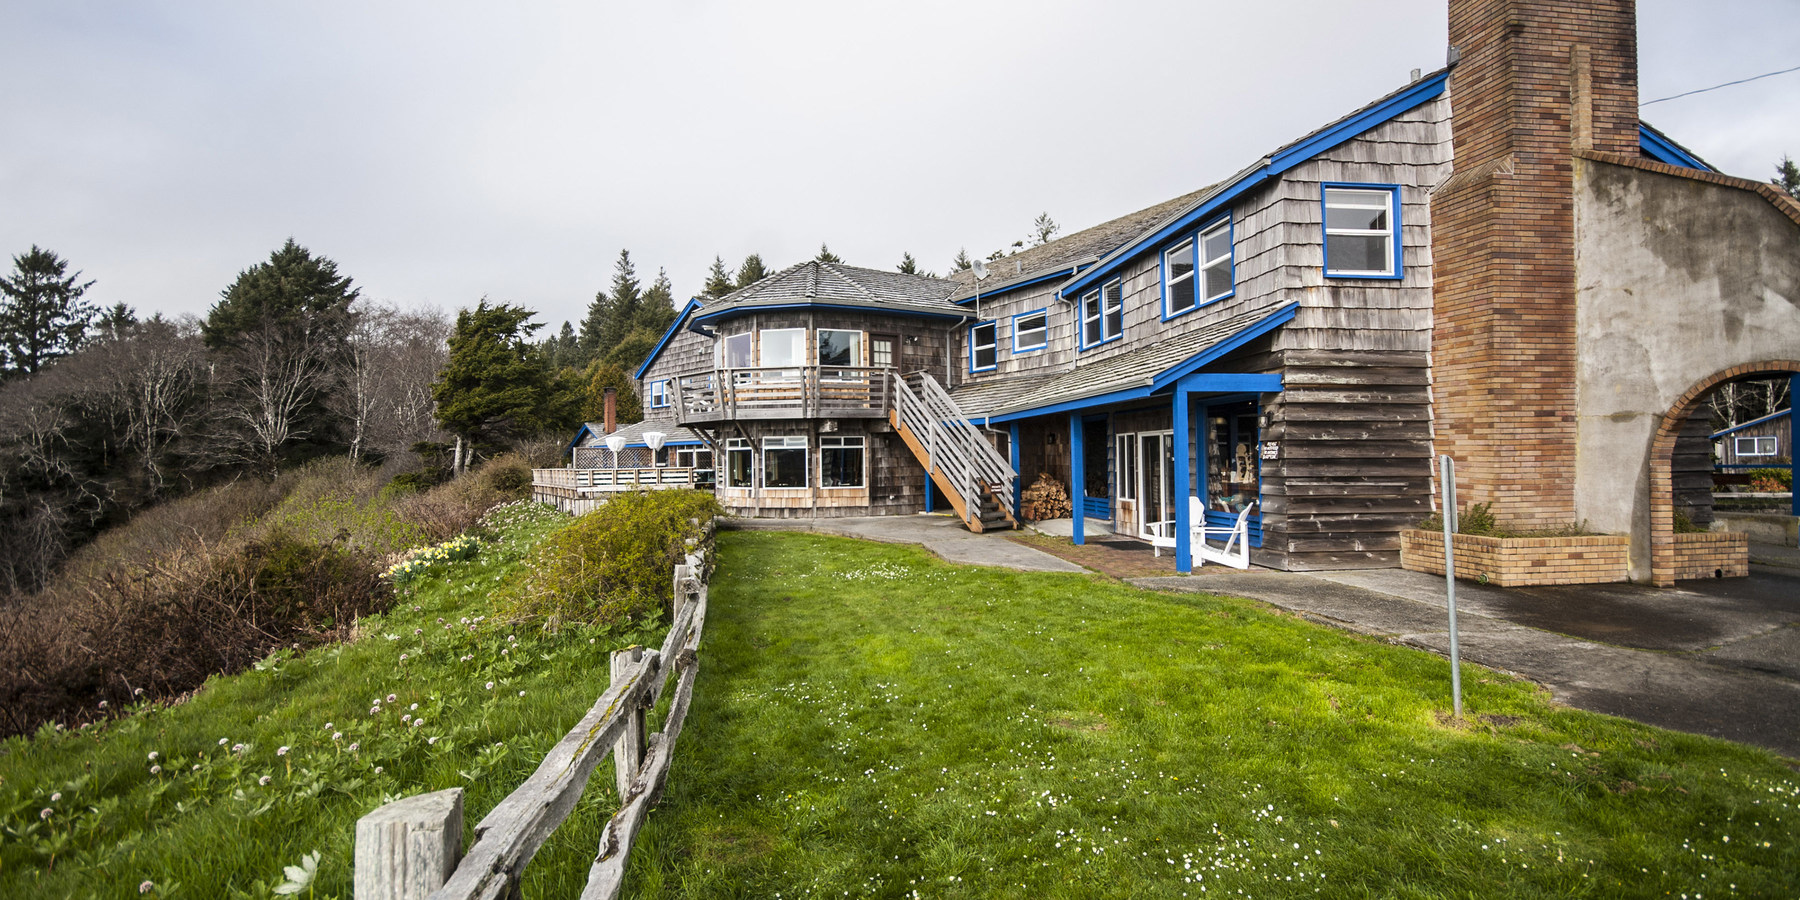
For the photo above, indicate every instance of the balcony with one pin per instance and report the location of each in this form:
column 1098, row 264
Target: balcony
column 797, row 392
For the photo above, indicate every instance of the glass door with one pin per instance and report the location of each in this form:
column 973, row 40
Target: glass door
column 1156, row 484
column 1125, row 452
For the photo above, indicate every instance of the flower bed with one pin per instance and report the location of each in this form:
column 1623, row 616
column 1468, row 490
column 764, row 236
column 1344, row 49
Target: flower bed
column 1712, row 554
column 1513, row 562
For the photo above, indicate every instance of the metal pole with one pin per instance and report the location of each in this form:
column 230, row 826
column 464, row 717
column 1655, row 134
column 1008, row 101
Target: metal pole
column 1448, row 470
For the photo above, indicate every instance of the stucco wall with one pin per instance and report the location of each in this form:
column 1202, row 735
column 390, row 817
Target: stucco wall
column 1676, row 280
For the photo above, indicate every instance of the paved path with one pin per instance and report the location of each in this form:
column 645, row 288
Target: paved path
column 1719, row 658
column 941, row 534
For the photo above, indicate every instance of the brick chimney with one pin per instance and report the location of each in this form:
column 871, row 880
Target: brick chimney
column 610, row 421
column 1536, row 80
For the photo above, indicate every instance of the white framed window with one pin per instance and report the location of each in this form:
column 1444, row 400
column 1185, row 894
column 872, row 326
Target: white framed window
column 1031, row 331
column 1755, row 446
column 1103, row 313
column 1178, row 278
column 784, row 462
column 734, row 351
column 739, row 468
column 984, row 352
column 782, row 347
column 1090, row 318
column 1113, row 294
column 695, row 457
column 1215, row 262
column 841, row 462
column 659, row 393
column 1360, row 231
column 840, row 348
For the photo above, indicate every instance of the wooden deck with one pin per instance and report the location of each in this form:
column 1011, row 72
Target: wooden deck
column 802, row 392
column 582, row 490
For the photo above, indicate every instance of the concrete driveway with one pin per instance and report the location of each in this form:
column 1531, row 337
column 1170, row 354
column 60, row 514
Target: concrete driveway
column 1719, row 658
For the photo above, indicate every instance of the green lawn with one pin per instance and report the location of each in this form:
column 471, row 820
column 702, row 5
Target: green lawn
column 871, row 721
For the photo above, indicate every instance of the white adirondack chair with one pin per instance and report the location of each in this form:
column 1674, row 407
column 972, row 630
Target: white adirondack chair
column 1235, row 553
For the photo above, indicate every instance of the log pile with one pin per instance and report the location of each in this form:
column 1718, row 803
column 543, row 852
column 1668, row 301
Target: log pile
column 1046, row 499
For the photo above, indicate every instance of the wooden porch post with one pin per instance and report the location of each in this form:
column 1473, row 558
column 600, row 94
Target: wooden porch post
column 1077, row 478
column 1184, row 525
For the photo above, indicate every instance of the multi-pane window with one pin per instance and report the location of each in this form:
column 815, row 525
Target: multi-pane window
column 881, row 350
column 695, row 457
column 1031, row 331
column 1103, row 313
column 659, row 393
column 840, row 348
column 1215, row 262
column 784, row 462
column 1360, row 232
column 1755, row 446
column 841, row 462
column 983, row 347
column 1178, row 278
column 738, row 464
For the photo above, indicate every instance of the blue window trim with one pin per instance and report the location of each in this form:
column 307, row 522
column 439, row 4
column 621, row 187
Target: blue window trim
column 1195, row 236
column 1394, row 222
column 1040, row 311
column 991, row 323
column 665, row 393
column 1081, row 316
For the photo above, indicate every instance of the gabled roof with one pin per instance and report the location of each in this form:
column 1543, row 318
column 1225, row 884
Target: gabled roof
column 817, row 284
column 680, row 320
column 595, row 433
column 1134, row 374
column 1753, row 422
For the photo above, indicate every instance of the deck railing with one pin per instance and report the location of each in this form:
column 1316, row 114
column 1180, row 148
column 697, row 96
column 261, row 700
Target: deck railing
column 599, row 481
column 782, row 392
column 953, row 445
column 410, row 847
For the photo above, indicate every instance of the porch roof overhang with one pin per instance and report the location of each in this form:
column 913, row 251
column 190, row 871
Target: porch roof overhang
column 593, row 434
column 1160, row 368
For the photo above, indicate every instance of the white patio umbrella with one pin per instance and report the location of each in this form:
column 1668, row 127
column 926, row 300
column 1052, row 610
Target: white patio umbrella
column 654, row 440
column 615, row 443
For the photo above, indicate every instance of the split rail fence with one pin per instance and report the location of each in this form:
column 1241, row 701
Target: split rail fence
column 411, row 848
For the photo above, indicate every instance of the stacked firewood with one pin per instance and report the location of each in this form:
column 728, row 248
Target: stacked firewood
column 1046, row 499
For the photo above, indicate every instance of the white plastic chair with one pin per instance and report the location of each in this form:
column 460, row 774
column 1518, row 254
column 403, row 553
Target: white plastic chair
column 1236, row 552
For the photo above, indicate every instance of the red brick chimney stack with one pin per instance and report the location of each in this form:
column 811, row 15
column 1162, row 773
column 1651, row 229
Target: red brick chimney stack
column 610, row 423
column 1535, row 81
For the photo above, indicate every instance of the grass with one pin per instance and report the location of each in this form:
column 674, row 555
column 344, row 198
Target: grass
column 873, row 722
column 214, row 796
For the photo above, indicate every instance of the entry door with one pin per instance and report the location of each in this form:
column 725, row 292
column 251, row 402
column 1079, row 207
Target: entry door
column 1126, row 457
column 1156, row 483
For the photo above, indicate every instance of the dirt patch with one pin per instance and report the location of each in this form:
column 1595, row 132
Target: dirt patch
column 733, row 846
column 1091, row 723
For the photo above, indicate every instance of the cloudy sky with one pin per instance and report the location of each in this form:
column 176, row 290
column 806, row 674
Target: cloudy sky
column 440, row 152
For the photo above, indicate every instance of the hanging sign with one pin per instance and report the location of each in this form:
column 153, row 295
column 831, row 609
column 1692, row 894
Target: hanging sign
column 1271, row 450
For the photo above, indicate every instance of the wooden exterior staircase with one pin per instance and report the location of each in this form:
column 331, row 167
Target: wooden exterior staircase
column 957, row 456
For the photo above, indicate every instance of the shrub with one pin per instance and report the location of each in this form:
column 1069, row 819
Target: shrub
column 1476, row 519
column 1769, row 481
column 615, row 565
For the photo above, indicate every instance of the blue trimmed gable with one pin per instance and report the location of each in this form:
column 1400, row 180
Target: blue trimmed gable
column 680, row 319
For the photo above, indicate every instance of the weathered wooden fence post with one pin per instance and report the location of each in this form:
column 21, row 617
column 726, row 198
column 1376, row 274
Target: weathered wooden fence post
column 628, row 753
column 408, row 848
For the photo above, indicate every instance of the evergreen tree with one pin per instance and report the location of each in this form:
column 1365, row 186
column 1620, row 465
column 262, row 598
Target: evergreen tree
column 293, row 289
column 1043, row 229
column 116, row 321
column 1787, row 176
column 962, row 262
column 626, row 298
column 594, row 324
column 826, row 256
column 563, row 349
column 41, row 313
column 718, row 280
column 752, row 271
column 627, row 406
column 658, row 311
column 495, row 385
column 908, row 265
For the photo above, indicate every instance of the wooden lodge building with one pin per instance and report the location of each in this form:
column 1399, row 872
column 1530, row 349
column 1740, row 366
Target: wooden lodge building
column 1497, row 261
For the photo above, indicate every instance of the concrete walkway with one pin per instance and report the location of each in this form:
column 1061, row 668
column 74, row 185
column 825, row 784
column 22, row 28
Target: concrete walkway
column 1719, row 658
column 941, row 534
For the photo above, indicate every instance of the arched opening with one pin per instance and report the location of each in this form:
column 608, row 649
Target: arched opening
column 1662, row 459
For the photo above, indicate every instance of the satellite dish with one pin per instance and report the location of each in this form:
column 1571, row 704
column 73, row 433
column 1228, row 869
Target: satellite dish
column 980, row 269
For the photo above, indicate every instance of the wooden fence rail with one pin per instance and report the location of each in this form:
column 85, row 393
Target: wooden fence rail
column 408, row 848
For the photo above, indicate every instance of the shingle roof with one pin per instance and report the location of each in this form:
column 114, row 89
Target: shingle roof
column 634, row 434
column 1064, row 253
column 1136, row 368
column 841, row 285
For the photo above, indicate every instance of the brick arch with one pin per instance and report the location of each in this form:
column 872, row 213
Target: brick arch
column 1662, row 456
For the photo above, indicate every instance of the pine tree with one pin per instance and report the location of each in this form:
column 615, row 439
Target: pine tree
column 594, row 324
column 116, row 321
column 293, row 288
column 961, row 263
column 495, row 385
column 752, row 271
column 826, row 256
column 1043, row 229
column 908, row 265
column 658, row 310
column 1787, row 176
column 41, row 313
column 626, row 299
column 718, row 280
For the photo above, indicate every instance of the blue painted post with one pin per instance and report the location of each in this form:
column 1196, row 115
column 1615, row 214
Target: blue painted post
column 1077, row 479
column 1184, row 532
column 1012, row 446
column 1793, row 432
column 928, row 492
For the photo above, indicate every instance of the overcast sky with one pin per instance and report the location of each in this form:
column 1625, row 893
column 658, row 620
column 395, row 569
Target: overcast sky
column 440, row 152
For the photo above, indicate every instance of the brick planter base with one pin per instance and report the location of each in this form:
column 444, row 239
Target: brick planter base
column 1514, row 562
column 1713, row 554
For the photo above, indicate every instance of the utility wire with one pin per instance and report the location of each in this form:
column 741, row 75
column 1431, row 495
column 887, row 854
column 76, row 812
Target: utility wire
column 1717, row 86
